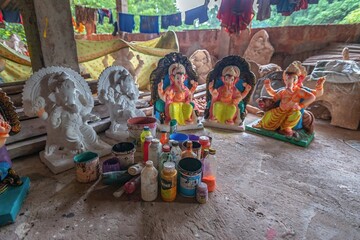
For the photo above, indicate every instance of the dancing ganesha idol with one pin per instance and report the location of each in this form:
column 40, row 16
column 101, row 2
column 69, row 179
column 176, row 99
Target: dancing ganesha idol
column 173, row 84
column 229, row 87
column 285, row 108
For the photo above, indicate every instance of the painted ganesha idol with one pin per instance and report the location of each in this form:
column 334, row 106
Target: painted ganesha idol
column 284, row 110
column 229, row 86
column 173, row 84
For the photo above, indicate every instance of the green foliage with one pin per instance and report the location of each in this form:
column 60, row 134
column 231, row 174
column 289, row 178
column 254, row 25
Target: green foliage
column 321, row 13
column 11, row 28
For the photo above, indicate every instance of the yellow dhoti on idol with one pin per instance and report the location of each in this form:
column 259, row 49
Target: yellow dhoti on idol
column 180, row 111
column 224, row 112
column 278, row 118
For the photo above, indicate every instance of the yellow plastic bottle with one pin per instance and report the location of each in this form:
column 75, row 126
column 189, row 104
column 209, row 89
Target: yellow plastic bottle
column 146, row 132
column 168, row 182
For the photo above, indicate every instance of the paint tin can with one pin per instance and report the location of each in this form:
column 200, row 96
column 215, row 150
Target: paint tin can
column 189, row 176
column 87, row 167
column 124, row 151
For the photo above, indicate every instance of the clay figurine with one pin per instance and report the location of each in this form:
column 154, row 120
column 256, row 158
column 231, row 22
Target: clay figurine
column 201, row 61
column 118, row 91
column 229, row 86
column 62, row 98
column 285, row 108
column 173, row 84
column 124, row 57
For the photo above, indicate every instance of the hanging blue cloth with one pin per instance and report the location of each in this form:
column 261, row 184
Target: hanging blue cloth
column 149, row 24
column 196, row 13
column 11, row 16
column 170, row 20
column 127, row 22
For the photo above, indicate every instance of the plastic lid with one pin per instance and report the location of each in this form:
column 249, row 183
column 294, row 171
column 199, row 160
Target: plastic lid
column 169, row 166
column 212, row 151
column 166, row 148
column 202, row 186
column 149, row 163
column 148, row 138
column 173, row 122
column 146, row 128
column 204, row 139
column 174, row 143
column 155, row 140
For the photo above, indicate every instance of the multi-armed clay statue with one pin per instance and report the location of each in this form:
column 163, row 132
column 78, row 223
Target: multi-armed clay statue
column 285, row 117
column 62, row 98
column 173, row 84
column 229, row 86
column 118, row 91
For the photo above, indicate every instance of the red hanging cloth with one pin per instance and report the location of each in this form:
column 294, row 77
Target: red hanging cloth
column 236, row 15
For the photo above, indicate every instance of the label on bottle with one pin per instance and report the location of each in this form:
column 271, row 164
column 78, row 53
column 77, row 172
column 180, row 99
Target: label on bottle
column 168, row 189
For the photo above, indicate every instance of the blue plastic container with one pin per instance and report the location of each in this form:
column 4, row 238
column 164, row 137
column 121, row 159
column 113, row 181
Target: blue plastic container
column 180, row 137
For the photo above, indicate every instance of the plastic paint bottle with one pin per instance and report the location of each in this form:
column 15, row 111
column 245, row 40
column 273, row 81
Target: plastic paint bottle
column 168, row 182
column 149, row 182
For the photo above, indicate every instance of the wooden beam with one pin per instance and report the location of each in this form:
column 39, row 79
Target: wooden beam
column 49, row 33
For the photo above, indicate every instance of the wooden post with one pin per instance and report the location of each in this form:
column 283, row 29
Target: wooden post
column 121, row 7
column 49, row 33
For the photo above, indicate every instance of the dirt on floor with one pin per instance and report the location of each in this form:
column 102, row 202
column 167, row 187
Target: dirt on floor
column 266, row 189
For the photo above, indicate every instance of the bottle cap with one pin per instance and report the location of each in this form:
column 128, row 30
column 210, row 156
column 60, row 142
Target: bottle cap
column 155, row 141
column 148, row 138
column 204, row 139
column 146, row 128
column 174, row 143
column 212, row 151
column 166, row 148
column 189, row 144
column 169, row 166
column 202, row 186
column 173, row 122
column 149, row 163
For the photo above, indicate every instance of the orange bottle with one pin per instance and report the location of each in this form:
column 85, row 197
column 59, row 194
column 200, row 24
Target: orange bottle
column 209, row 170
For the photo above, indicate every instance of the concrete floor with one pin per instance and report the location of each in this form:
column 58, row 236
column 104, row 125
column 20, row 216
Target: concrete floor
column 266, row 189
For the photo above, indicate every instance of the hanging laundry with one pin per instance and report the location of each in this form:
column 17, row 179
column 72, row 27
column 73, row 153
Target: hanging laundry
column 313, row 1
column 170, row 20
column 264, row 10
column 12, row 16
column 200, row 13
column 127, row 22
column 86, row 16
column 236, row 15
column 116, row 29
column 149, row 24
column 1, row 17
column 105, row 13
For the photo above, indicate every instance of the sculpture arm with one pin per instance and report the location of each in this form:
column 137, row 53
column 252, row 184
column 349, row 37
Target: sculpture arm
column 139, row 66
column 214, row 93
column 268, row 87
column 194, row 86
column 308, row 98
column 320, row 87
column 161, row 91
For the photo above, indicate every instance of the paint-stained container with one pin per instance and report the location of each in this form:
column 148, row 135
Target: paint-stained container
column 189, row 176
column 87, row 167
column 124, row 151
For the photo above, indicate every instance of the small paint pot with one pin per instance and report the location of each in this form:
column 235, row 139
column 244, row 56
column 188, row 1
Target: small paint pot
column 87, row 167
column 194, row 138
column 124, row 151
column 180, row 137
column 196, row 147
column 111, row 165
